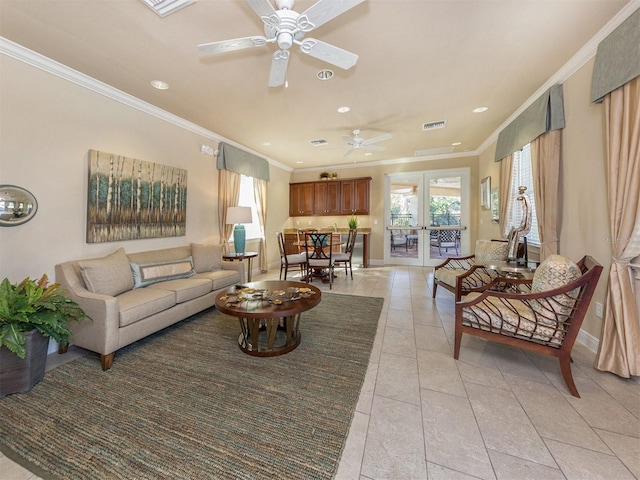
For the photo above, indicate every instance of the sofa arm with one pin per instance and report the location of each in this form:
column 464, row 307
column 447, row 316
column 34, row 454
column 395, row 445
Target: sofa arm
column 237, row 266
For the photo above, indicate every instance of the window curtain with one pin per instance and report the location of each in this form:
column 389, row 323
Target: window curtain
column 228, row 196
column 619, row 349
column 545, row 164
column 260, row 192
column 506, row 165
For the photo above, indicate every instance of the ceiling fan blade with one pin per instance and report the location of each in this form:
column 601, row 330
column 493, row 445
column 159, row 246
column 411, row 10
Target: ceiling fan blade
column 323, row 11
column 377, row 148
column 278, row 73
column 328, row 53
column 231, row 45
column 348, row 152
column 379, row 138
column 348, row 139
column 262, row 7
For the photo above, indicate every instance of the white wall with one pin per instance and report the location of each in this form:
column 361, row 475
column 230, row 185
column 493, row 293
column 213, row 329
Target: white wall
column 47, row 127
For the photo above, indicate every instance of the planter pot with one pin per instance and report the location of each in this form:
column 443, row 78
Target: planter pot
column 20, row 375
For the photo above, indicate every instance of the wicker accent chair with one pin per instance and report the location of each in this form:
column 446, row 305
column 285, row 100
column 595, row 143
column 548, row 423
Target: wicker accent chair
column 292, row 260
column 546, row 320
column 462, row 275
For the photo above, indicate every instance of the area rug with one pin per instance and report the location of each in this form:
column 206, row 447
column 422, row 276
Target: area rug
column 187, row 403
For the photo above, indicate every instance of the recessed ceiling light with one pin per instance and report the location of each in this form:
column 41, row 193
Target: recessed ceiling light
column 266, row 144
column 343, row 109
column 455, row 144
column 299, row 161
column 324, row 74
column 159, row 84
column 480, row 109
column 368, row 154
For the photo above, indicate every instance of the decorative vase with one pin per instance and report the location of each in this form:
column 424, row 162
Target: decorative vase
column 20, row 375
column 239, row 238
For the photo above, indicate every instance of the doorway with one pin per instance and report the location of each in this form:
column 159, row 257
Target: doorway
column 426, row 216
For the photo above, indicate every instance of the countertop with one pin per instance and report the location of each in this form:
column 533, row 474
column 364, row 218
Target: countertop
column 364, row 231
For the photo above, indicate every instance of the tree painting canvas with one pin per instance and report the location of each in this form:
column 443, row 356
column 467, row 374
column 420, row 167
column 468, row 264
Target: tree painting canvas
column 131, row 199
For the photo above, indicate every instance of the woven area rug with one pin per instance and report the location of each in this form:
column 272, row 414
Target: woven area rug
column 187, row 403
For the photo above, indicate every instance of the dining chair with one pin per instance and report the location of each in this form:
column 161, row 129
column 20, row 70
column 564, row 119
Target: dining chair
column 345, row 257
column 319, row 254
column 300, row 240
column 292, row 259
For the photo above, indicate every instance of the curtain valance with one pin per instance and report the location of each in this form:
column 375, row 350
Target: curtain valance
column 239, row 161
column 617, row 59
column 543, row 115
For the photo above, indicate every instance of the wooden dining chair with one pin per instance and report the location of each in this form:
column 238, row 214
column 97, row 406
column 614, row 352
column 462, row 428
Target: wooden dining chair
column 319, row 255
column 292, row 260
column 348, row 252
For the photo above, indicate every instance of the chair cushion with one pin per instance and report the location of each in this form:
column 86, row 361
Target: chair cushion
column 109, row 275
column 556, row 271
column 449, row 276
column 488, row 250
column 295, row 258
column 340, row 257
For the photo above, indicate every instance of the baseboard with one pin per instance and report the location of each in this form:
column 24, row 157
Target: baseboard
column 588, row 340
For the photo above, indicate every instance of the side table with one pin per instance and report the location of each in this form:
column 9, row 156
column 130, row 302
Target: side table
column 240, row 257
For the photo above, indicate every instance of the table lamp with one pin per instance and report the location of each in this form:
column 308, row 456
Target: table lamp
column 237, row 216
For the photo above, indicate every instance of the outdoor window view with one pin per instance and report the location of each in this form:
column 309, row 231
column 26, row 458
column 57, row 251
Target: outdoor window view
column 441, row 209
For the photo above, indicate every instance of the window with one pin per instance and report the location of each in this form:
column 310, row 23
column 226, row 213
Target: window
column 248, row 199
column 522, row 175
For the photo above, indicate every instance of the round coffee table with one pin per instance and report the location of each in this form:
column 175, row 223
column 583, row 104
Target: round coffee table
column 269, row 314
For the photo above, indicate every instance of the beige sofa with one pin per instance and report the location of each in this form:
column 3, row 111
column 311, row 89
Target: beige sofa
column 130, row 296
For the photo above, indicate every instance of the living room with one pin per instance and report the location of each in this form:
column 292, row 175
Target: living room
column 52, row 117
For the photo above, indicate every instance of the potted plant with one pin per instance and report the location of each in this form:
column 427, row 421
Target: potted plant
column 324, row 175
column 334, row 175
column 30, row 313
column 353, row 222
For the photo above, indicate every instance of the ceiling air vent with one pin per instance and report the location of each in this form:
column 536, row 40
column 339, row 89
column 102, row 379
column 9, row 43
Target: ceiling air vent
column 433, row 151
column 433, row 125
column 320, row 141
column 165, row 7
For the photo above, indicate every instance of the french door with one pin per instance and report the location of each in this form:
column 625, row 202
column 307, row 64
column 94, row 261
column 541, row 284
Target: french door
column 422, row 209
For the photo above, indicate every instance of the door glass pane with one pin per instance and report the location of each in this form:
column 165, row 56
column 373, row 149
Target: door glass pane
column 404, row 211
column 445, row 203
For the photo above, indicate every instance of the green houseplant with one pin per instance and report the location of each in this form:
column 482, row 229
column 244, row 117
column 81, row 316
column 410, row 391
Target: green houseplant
column 353, row 222
column 30, row 313
column 324, row 175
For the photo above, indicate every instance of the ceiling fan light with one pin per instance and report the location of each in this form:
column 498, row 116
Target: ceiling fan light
column 285, row 40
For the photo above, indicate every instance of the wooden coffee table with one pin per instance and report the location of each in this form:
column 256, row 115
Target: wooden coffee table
column 269, row 314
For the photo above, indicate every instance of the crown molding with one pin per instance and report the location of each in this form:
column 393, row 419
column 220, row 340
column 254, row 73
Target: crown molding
column 36, row 60
column 576, row 62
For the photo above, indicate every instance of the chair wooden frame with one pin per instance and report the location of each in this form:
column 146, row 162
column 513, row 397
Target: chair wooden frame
column 296, row 259
column 348, row 253
column 544, row 322
column 319, row 255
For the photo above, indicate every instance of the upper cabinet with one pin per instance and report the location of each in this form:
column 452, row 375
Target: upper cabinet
column 330, row 197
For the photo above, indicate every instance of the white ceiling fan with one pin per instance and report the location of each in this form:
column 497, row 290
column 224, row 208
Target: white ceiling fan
column 286, row 27
column 357, row 142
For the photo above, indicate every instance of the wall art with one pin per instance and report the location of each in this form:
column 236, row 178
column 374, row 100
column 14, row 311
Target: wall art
column 132, row 199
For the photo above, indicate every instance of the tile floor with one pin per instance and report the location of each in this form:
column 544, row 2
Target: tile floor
column 497, row 413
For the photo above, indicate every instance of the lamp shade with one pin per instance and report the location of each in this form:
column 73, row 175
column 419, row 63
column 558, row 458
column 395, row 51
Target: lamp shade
column 236, row 215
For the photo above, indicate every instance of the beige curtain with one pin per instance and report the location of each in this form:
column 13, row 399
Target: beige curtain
column 619, row 350
column 228, row 196
column 545, row 165
column 260, row 192
column 506, row 165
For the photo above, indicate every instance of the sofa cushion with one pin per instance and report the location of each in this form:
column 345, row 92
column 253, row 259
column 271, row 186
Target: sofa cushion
column 206, row 257
column 221, row 278
column 554, row 272
column 140, row 303
column 108, row 275
column 147, row 273
column 187, row 288
column 488, row 250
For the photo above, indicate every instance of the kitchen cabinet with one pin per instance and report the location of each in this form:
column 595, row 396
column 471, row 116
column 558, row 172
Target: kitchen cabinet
column 329, row 197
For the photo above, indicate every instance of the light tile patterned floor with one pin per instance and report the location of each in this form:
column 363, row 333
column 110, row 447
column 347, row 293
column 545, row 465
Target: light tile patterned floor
column 497, row 413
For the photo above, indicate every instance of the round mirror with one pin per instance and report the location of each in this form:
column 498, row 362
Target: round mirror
column 17, row 206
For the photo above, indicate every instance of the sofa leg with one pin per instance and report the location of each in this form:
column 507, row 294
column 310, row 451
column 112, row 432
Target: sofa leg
column 107, row 361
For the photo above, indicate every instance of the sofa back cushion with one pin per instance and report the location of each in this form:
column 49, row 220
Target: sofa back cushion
column 206, row 257
column 489, row 250
column 147, row 273
column 110, row 275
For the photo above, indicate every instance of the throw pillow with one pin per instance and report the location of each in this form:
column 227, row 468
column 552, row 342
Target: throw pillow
column 153, row 272
column 109, row 275
column 206, row 257
column 556, row 271
column 488, row 250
